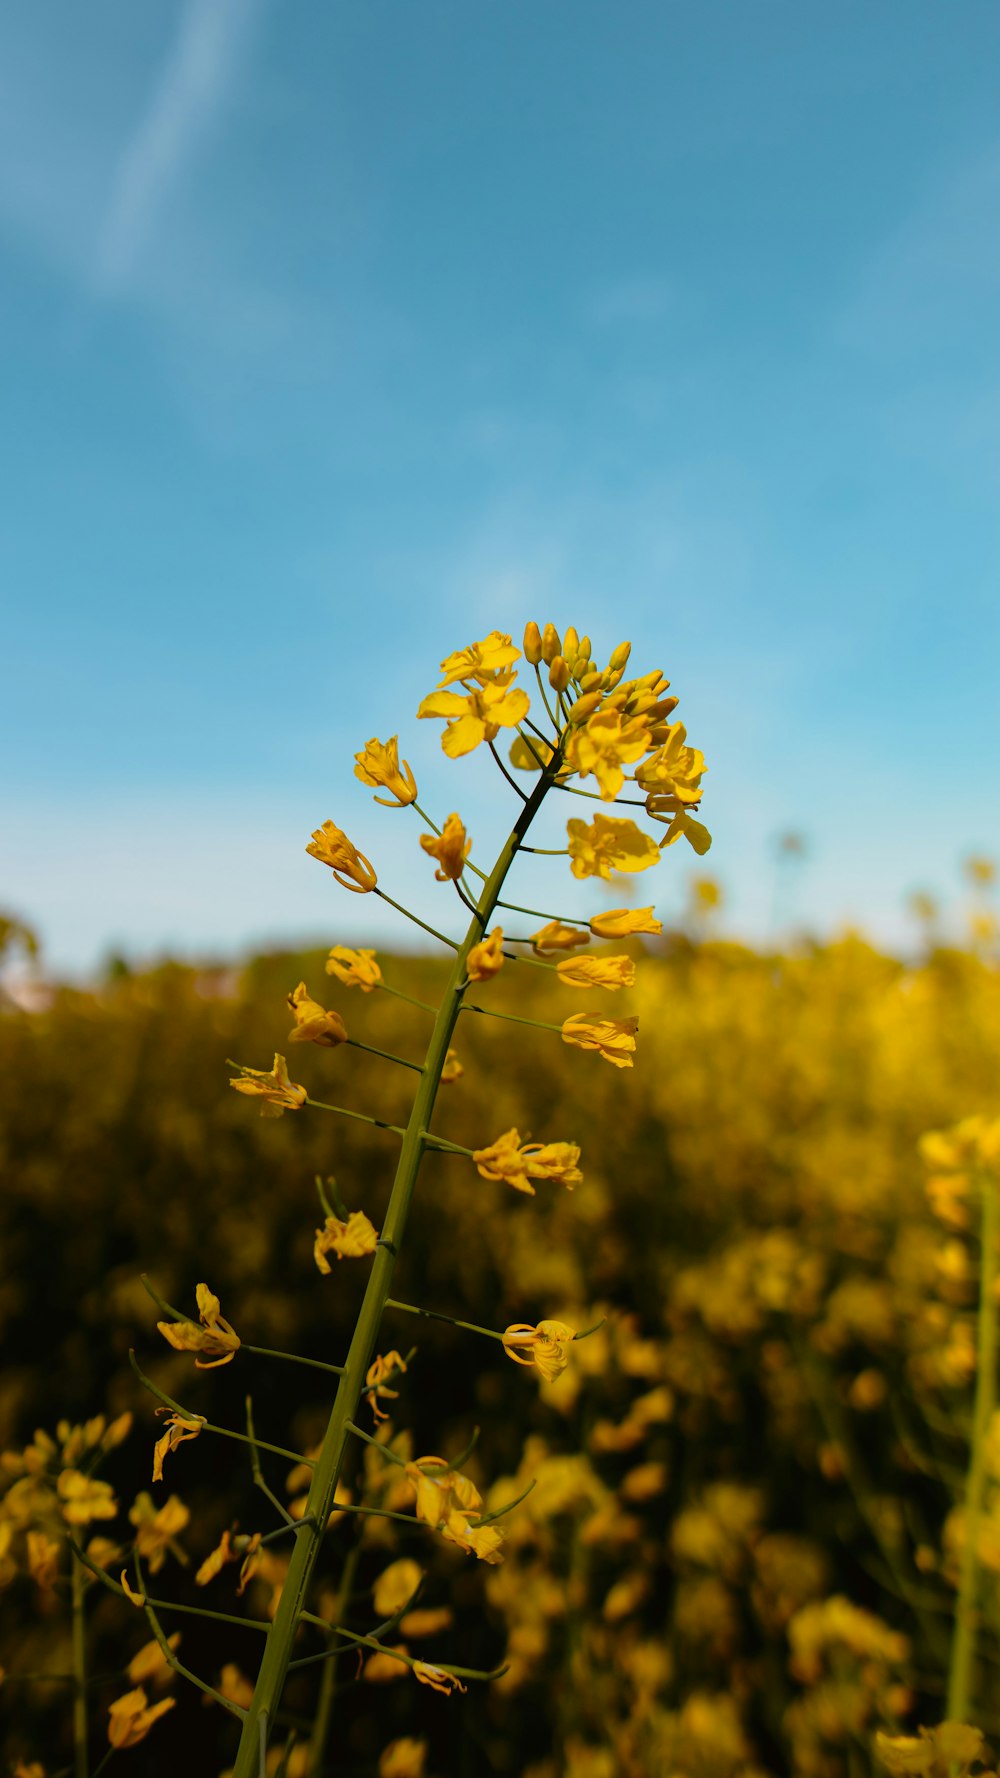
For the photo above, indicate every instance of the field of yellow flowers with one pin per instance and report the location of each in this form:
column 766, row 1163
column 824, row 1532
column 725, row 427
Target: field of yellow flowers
column 733, row 1517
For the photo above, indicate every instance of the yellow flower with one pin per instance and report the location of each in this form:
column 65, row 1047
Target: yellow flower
column 545, row 1346
column 451, row 848
column 396, row 1586
column 178, row 1428
column 84, row 1498
column 603, row 744
column 378, row 765
column 216, row 1560
column 214, row 1337
column 609, row 844
column 597, row 972
column 437, row 1678
column 350, row 867
column 234, row 1685
column 448, row 1502
column 404, row 1758
column 555, row 937
column 519, row 1163
column 156, row 1528
column 384, row 1366
column 356, row 969
column 149, row 1664
column 137, row 1599
column 430, row 1621
column 486, row 959
column 132, row 1717
column 622, row 922
column 43, row 1559
column 278, row 1092
column 478, row 717
column 313, row 1024
column 481, row 661
column 383, row 1667
column 348, row 1240
column 675, row 768
column 452, row 1069
column 614, row 1039
column 663, row 806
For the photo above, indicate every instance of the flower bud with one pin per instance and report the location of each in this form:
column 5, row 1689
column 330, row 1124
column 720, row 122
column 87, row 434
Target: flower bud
column 583, row 652
column 590, row 680
column 532, row 644
column 571, row 643
column 664, row 708
column 558, row 673
column 585, row 706
column 550, row 643
column 619, row 658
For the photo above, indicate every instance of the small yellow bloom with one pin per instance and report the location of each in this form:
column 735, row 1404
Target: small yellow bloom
column 178, row 1428
column 485, row 960
column 313, row 1024
column 348, row 1240
column 519, row 1163
column 136, row 1599
column 608, row 844
column 278, row 1092
column 356, row 969
column 662, row 806
column 451, row 848
column 614, row 1039
column 437, row 1678
column 378, row 765
column 396, row 1586
column 605, row 743
column 216, row 1560
column 405, row 1758
column 156, row 1529
column 382, row 1367
column 481, row 661
column 350, row 867
column 428, row 1622
column 148, row 1665
column 555, row 937
column 478, row 717
column 675, row 768
column 84, row 1498
column 597, row 972
column 214, row 1337
column 452, row 1069
column 382, row 1667
column 622, row 922
column 545, row 1346
column 43, row 1560
column 234, row 1685
column 132, row 1717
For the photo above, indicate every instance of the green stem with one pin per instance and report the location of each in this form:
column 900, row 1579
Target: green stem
column 290, row 1612
column 207, row 1425
column 634, row 802
column 513, row 1017
column 963, row 1648
column 328, row 1683
column 354, row 1043
column 222, row 1617
column 315, row 1364
column 361, row 1116
column 537, row 914
column 545, row 700
column 257, row 1472
column 399, row 995
column 450, row 942
column 80, row 1764
column 433, row 1315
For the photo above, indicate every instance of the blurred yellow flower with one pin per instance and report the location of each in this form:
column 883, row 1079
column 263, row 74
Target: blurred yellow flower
column 555, row 937
column 605, row 743
column 614, row 1039
column 485, row 960
column 278, row 1092
column 382, row 1668
column 478, row 717
column 178, row 1428
column 148, row 1665
column 378, row 765
column 350, row 867
column 43, row 1559
column 519, row 1163
column 356, row 969
column 396, row 1586
column 132, row 1717
column 157, row 1528
column 609, row 843
column 597, row 972
column 216, row 1560
column 234, row 1685
column 348, row 1240
column 84, row 1498
column 452, row 1069
column 405, row 1758
column 546, row 1346
column 451, row 848
column 313, row 1024
column 481, row 661
column 382, row 1367
column 214, row 1337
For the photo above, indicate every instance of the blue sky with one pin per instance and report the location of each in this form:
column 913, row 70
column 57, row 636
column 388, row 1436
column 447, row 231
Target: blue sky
column 335, row 336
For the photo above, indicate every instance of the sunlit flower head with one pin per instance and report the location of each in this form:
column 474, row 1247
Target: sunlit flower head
column 378, row 765
column 517, row 1163
column 131, row 1717
column 622, row 922
column 604, row 744
column 555, row 937
column 356, row 969
column 451, row 848
column 313, row 1024
column 350, row 867
column 214, row 1337
column 675, row 767
column 609, row 843
column 478, row 717
column 278, row 1092
column 614, row 1039
column 178, row 1428
column 546, row 1346
column 596, row 972
column 481, row 661
column 486, row 959
column 348, row 1240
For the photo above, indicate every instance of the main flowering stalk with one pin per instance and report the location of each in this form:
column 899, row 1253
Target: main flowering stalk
column 308, row 1540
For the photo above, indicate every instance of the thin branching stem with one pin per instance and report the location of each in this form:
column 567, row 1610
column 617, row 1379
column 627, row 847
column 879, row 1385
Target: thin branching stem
column 450, row 942
column 257, row 1472
column 537, row 914
column 207, row 1425
column 512, row 1017
column 511, row 781
column 398, row 994
column 80, row 1761
column 169, row 1655
column 379, row 1123
column 222, row 1617
column 355, row 1043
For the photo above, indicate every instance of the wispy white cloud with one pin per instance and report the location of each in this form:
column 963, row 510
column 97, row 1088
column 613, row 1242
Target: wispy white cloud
column 193, row 86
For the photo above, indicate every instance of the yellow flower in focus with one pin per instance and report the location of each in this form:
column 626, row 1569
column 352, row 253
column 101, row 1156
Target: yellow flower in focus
column 545, row 1346
column 623, row 922
column 485, row 960
column 156, row 1529
column 378, row 765
column 178, row 1428
column 662, row 806
column 519, row 1163
column 478, row 717
column 149, row 1666
column 350, row 867
column 675, row 768
column 555, row 937
column 396, row 1586
column 382, row 1367
column 437, row 1678
column 356, row 969
column 132, row 1717
column 597, row 972
column 405, row 1758
column 448, row 1502
column 614, row 1039
column 451, row 848
column 348, row 1240
column 481, row 661
column 214, row 1337
column 278, row 1092
column 452, row 1069
column 313, row 1024
column 608, row 844
column 605, row 743
column 84, row 1498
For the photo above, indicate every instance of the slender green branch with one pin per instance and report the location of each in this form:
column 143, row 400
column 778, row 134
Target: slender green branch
column 398, row 994
column 513, row 1018
column 397, row 1654
column 161, row 1302
column 328, row 1684
column 502, row 1511
column 537, row 914
column 547, row 851
column 222, row 1617
column 315, row 1364
column 169, row 1655
column 207, row 1425
column 80, row 1761
column 434, row 1315
column 545, row 701
column 354, row 1043
column 361, row 1116
column 425, row 818
column 257, row 1472
column 511, row 781
column 450, row 942
column 963, row 1648
column 634, row 802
